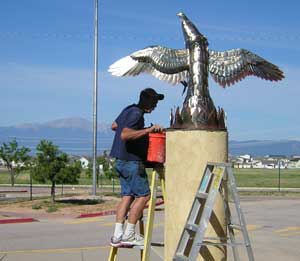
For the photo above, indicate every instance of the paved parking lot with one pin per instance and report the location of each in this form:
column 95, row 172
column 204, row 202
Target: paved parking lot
column 273, row 224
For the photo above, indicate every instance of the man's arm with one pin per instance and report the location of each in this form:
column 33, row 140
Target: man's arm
column 131, row 134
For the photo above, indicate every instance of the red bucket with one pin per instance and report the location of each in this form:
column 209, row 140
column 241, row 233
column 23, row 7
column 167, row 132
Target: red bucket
column 157, row 147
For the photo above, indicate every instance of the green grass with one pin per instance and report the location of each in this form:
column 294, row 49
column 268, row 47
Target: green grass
column 270, row 193
column 24, row 178
column 289, row 178
column 52, row 208
column 36, row 206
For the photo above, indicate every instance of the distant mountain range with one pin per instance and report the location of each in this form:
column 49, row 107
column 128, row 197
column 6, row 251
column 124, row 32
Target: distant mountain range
column 72, row 135
column 75, row 123
column 75, row 136
column 265, row 147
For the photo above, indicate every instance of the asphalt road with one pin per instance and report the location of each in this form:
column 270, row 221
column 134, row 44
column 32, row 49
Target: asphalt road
column 273, row 225
column 23, row 191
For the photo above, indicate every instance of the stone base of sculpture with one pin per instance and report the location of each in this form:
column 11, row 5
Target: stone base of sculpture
column 187, row 153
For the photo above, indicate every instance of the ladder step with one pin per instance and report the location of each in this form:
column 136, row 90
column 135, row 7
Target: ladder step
column 235, row 226
column 202, row 195
column 221, row 244
column 192, row 227
column 138, row 247
column 180, row 258
column 216, row 238
column 152, row 244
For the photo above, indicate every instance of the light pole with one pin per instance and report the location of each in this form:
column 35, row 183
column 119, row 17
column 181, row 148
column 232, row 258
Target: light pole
column 30, row 176
column 279, row 175
column 95, row 100
column 101, row 173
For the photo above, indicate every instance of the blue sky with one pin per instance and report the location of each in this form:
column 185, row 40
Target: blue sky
column 46, row 65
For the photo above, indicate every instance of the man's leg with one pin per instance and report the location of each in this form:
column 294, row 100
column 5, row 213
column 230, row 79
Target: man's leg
column 124, row 205
column 122, row 208
column 135, row 213
column 137, row 209
column 140, row 188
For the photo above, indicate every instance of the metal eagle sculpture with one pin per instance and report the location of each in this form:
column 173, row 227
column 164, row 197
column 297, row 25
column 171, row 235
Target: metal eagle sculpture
column 190, row 66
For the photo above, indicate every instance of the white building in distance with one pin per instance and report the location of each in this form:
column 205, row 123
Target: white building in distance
column 84, row 162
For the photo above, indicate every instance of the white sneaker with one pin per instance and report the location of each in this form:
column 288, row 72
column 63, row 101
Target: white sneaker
column 116, row 241
column 133, row 239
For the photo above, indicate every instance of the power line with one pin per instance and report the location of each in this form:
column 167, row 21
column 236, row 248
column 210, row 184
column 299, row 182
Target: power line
column 109, row 36
column 65, row 140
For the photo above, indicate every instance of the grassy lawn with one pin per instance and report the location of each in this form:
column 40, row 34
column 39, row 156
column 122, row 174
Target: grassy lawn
column 289, row 178
column 24, row 178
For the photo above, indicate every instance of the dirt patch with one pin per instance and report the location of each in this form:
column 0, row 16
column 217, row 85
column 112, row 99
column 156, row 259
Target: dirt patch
column 63, row 207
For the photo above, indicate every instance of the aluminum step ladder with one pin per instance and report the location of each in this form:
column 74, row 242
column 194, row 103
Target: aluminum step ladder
column 217, row 177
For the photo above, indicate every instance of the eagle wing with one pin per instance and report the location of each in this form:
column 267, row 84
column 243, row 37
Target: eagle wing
column 231, row 66
column 166, row 64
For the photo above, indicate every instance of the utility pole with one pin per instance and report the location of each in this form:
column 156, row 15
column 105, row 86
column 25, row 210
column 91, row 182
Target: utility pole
column 279, row 175
column 95, row 100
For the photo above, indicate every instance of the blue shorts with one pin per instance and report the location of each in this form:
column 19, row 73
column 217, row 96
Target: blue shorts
column 133, row 178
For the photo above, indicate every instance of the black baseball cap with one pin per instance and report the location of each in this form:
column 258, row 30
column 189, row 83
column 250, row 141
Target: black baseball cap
column 151, row 93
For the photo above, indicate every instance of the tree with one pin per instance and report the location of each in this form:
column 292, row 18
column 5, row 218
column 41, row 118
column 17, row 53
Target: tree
column 110, row 171
column 50, row 164
column 16, row 159
column 70, row 174
column 108, row 167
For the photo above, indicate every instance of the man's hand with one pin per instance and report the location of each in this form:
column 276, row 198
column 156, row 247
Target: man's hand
column 130, row 134
column 155, row 128
column 114, row 126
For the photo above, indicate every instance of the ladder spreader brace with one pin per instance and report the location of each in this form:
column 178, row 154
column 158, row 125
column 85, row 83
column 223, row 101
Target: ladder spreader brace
column 216, row 176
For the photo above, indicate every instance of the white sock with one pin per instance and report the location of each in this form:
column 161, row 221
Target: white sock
column 118, row 230
column 130, row 228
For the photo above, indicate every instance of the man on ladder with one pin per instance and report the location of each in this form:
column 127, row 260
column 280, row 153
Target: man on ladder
column 130, row 150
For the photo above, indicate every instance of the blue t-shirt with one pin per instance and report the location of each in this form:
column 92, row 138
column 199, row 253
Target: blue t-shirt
column 131, row 117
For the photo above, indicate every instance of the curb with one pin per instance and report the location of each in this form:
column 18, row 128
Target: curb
column 17, row 220
column 99, row 214
column 13, row 191
column 111, row 212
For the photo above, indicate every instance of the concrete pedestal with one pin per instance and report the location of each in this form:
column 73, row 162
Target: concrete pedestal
column 187, row 152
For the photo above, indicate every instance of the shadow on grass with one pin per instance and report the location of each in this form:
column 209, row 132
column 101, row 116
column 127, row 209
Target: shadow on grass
column 75, row 201
column 112, row 194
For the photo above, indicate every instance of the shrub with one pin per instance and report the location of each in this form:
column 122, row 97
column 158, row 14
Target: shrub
column 36, row 206
column 52, row 208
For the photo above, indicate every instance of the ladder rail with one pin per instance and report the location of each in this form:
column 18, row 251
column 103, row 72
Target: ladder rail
column 231, row 233
column 209, row 204
column 241, row 217
column 150, row 220
column 196, row 205
column 229, row 221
